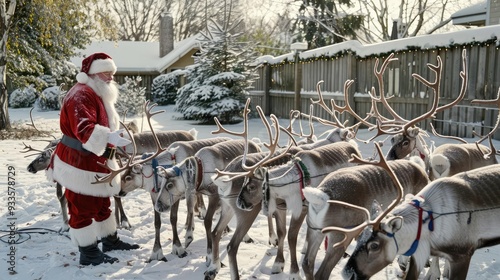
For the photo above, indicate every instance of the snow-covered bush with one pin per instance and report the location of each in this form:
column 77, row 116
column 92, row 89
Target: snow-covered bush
column 50, row 99
column 164, row 87
column 23, row 98
column 132, row 97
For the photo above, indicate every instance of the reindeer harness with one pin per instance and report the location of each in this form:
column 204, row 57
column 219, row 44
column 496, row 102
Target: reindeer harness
column 416, row 203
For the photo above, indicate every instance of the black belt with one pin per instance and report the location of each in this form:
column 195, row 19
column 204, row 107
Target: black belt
column 77, row 145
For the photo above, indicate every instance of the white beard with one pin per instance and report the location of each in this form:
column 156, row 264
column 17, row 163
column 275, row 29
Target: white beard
column 108, row 92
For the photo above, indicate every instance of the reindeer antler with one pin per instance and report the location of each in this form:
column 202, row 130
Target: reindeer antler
column 496, row 102
column 159, row 149
column 340, row 109
column 272, row 146
column 296, row 114
column 350, row 234
column 399, row 124
column 27, row 149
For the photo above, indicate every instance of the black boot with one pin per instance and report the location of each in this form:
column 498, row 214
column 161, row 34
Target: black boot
column 92, row 255
column 112, row 242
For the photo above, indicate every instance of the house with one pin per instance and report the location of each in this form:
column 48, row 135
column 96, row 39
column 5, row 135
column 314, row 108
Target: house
column 146, row 59
column 483, row 13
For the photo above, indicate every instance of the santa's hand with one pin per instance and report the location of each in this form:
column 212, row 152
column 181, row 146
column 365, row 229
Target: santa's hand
column 115, row 138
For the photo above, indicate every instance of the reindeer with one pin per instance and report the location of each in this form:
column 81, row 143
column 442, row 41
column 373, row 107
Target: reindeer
column 445, row 160
column 251, row 193
column 139, row 177
column 358, row 185
column 450, row 218
column 453, row 200
column 228, row 191
column 193, row 175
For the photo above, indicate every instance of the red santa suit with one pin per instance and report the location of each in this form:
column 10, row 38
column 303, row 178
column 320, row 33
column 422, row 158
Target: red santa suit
column 87, row 119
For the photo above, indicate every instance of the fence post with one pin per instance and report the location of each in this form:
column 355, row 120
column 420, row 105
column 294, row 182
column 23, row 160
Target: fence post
column 266, row 99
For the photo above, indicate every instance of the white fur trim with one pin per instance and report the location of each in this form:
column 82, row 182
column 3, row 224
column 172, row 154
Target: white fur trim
column 82, row 78
column 49, row 174
column 83, row 236
column 102, row 65
column 106, row 227
column 98, row 140
column 80, row 181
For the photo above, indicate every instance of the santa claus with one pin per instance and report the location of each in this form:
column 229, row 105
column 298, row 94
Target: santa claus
column 89, row 124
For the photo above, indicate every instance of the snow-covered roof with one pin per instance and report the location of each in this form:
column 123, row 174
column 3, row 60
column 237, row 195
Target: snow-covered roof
column 424, row 42
column 138, row 57
column 472, row 15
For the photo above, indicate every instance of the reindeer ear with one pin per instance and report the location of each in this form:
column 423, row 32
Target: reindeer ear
column 260, row 173
column 393, row 224
column 137, row 168
column 413, row 131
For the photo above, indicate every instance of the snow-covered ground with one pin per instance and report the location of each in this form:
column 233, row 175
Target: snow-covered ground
column 53, row 256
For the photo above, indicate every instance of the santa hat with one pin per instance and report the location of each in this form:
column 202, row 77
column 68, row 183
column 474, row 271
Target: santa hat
column 93, row 64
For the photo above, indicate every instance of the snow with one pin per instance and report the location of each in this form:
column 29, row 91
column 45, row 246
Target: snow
column 53, row 256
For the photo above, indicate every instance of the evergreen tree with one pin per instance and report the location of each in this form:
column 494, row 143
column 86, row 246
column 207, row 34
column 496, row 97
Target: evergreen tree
column 323, row 22
column 219, row 79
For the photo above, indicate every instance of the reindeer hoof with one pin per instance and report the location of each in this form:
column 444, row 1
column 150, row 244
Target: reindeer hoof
column 157, row 256
column 162, row 259
column 277, row 267
column 273, row 240
column 179, row 251
column 189, row 239
column 210, row 275
column 126, row 225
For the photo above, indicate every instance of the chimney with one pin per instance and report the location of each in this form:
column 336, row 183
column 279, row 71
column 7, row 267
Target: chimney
column 166, row 33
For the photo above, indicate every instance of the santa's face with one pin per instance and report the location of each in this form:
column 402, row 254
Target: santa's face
column 104, row 86
column 106, row 77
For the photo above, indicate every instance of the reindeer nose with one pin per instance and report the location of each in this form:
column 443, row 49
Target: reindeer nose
column 31, row 169
column 122, row 194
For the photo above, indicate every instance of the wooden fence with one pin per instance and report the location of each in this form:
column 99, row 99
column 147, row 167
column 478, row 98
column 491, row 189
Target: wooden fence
column 275, row 91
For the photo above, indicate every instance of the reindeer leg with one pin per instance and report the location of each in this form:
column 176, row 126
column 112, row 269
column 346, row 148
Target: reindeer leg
column 459, row 267
column 273, row 237
column 213, row 203
column 412, row 273
column 314, row 241
column 121, row 218
column 190, row 199
column 279, row 261
column 244, row 220
column 293, row 232
column 200, row 206
column 332, row 256
column 434, row 271
column 157, row 253
column 226, row 215
column 64, row 207
column 177, row 248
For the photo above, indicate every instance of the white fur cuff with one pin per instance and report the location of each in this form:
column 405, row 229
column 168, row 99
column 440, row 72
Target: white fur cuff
column 106, row 227
column 98, row 140
column 83, row 236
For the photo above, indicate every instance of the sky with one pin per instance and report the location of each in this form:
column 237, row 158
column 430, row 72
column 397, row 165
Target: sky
column 53, row 256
